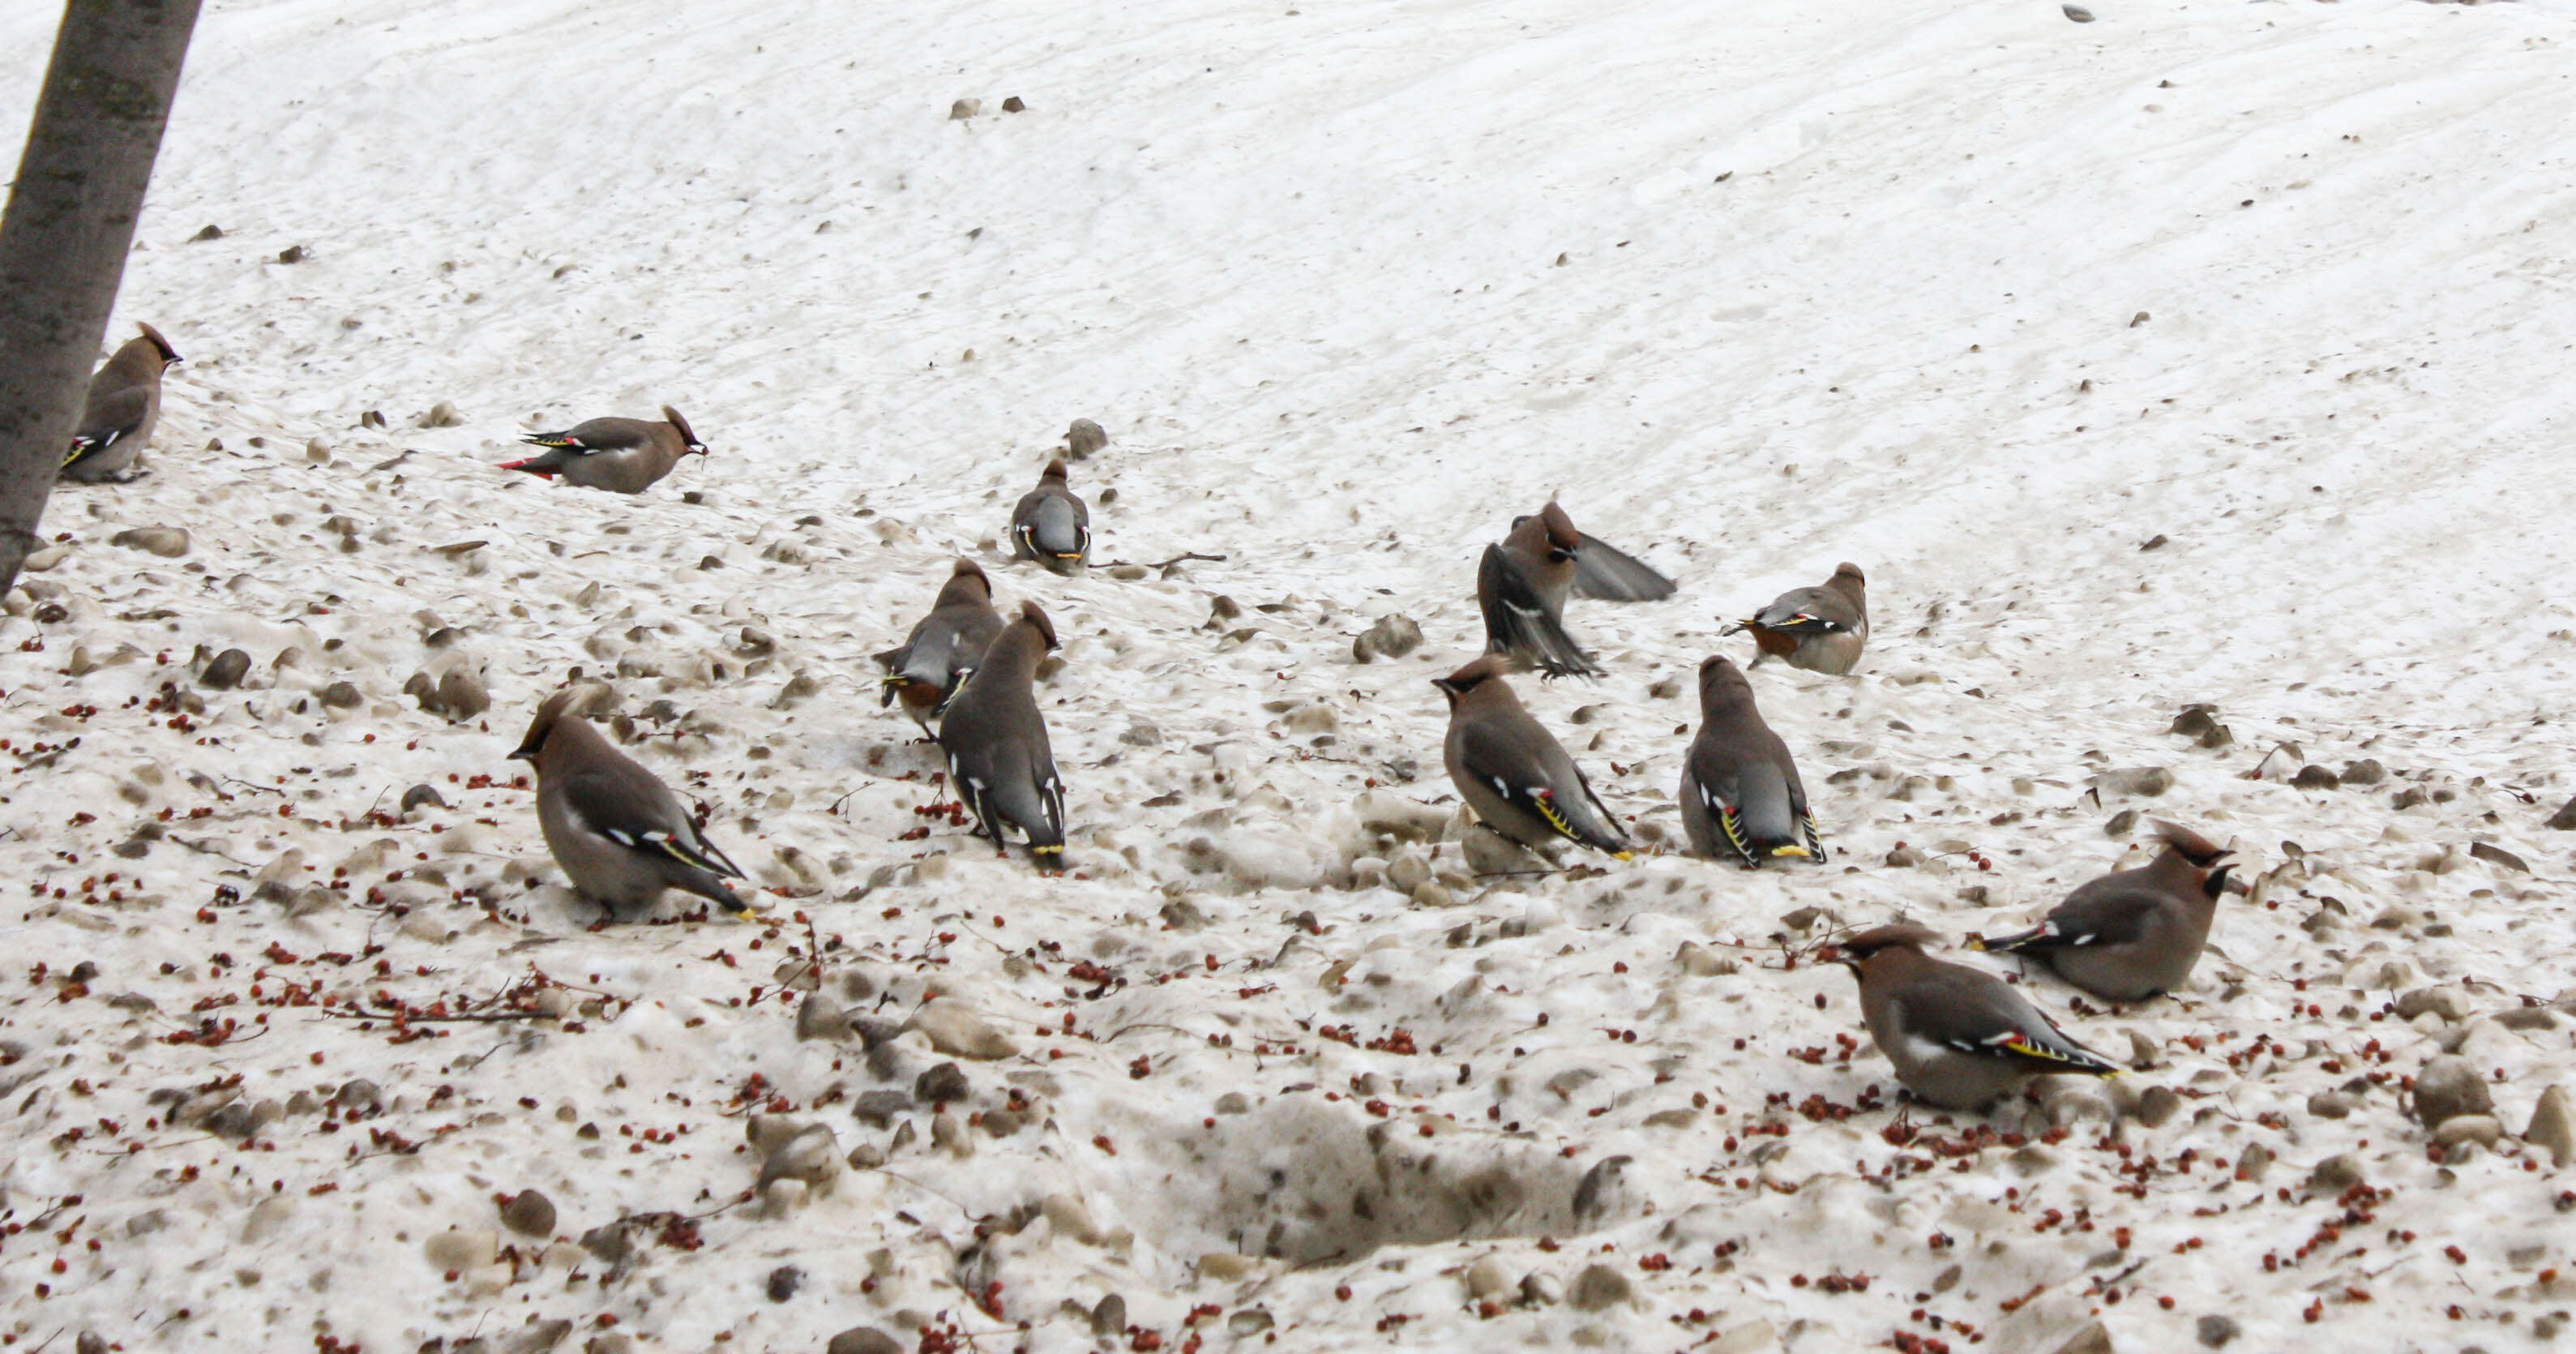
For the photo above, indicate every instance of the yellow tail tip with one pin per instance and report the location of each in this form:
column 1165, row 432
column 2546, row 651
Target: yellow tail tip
column 1623, row 855
column 1800, row 852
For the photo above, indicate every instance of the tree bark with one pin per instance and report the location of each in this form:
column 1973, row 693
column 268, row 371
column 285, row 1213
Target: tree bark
column 69, row 223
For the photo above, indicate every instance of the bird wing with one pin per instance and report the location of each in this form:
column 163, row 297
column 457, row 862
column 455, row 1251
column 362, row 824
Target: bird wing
column 1517, row 619
column 1606, row 574
column 1802, row 611
column 107, row 419
column 2108, row 911
column 1523, row 779
column 1972, row 1012
column 595, row 435
column 645, row 819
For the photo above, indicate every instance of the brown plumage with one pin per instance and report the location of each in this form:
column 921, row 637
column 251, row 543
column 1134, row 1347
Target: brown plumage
column 1512, row 772
column 1521, row 586
column 1821, row 629
column 1740, row 792
column 999, row 761
column 2132, row 934
column 620, row 455
column 123, row 408
column 1052, row 525
column 1960, row 1038
column 619, row 833
column 926, row 669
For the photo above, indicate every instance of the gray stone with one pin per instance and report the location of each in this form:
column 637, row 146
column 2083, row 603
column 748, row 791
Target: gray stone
column 879, row 1108
column 944, row 1084
column 167, row 542
column 2144, row 781
column 2314, row 777
column 343, row 696
column 2565, row 819
column 2157, row 1105
column 956, row 1029
column 2335, row 1174
column 2450, row 1003
column 1393, row 636
column 863, row 1340
column 2367, row 771
column 1085, row 436
column 2477, row 1128
column 819, row 1017
column 2448, row 1087
column 2094, row 1338
column 1600, row 1286
column 2553, row 1126
column 462, row 695
column 529, row 1213
column 2216, row 1331
column 783, row 1282
column 226, row 671
column 2497, row 855
column 420, row 795
column 1109, row 1317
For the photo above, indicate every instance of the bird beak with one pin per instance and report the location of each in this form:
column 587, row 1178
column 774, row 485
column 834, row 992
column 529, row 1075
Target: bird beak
column 523, row 755
column 698, row 448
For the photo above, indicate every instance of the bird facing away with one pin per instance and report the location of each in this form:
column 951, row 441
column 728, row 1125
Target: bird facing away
column 925, row 670
column 619, row 833
column 1820, row 629
column 2132, row 934
column 1961, row 1038
column 1051, row 525
column 620, row 455
column 1740, row 789
column 124, row 404
column 1522, row 584
column 1606, row 574
column 1516, row 776
column 996, row 742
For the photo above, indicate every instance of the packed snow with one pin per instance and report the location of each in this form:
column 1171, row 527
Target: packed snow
column 2196, row 355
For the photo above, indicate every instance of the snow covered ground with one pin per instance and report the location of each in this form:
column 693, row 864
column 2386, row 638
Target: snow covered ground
column 1983, row 299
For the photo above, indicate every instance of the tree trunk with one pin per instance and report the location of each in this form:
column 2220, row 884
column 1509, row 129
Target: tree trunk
column 68, row 226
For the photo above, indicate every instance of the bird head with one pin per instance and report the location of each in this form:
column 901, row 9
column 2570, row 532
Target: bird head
column 688, row 438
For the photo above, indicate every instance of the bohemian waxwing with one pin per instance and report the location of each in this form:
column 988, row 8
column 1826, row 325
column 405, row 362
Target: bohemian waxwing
column 1960, row 1037
column 2132, row 934
column 1051, row 525
column 1516, row 777
column 996, row 742
column 124, row 404
column 1820, row 629
column 1740, row 791
column 619, row 833
column 1522, row 584
column 944, row 646
column 621, row 455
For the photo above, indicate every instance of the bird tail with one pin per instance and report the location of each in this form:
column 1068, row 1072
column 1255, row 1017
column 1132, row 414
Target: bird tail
column 2053, row 1053
column 554, row 439
column 2031, row 940
column 86, row 446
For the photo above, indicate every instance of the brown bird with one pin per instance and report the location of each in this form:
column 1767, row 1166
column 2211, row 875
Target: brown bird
column 1740, row 789
column 1051, row 524
column 1820, row 629
column 1517, row 777
column 620, row 455
column 124, row 404
column 1605, row 573
column 1522, row 584
column 944, row 646
column 999, row 762
column 2132, row 934
column 1960, row 1037
column 619, row 833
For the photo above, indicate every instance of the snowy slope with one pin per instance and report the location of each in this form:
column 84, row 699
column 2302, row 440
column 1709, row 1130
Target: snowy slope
column 1977, row 297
